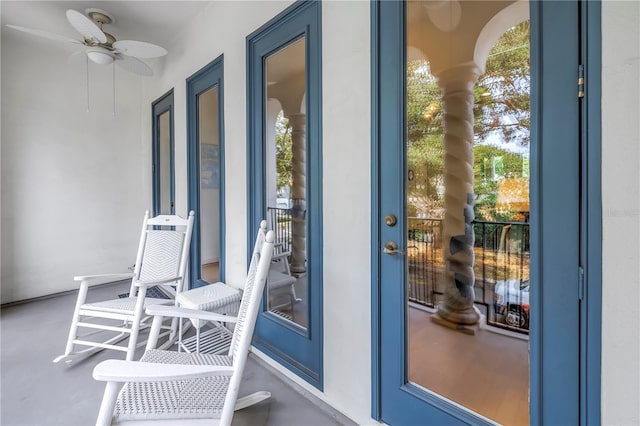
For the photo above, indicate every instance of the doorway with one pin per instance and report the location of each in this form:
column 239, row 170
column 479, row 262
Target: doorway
column 163, row 167
column 285, row 183
column 477, row 263
column 205, row 120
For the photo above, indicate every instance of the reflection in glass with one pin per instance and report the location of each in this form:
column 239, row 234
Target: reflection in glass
column 286, row 190
column 209, row 214
column 164, row 138
column 467, row 159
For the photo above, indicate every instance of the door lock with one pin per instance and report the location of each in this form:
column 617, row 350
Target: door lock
column 391, row 247
column 390, row 220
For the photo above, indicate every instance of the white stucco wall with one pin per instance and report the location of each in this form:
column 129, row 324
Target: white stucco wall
column 346, row 136
column 221, row 27
column 346, row 131
column 621, row 212
column 73, row 196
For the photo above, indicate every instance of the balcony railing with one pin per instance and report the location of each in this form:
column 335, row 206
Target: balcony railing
column 501, row 268
column 279, row 220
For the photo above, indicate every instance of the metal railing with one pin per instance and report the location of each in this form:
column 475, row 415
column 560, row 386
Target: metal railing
column 501, row 268
column 501, row 262
column 279, row 220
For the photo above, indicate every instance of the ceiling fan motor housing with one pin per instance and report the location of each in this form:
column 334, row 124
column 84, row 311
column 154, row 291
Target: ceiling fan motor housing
column 100, row 16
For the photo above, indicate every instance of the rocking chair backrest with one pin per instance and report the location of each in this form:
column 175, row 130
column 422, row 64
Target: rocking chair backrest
column 262, row 233
column 243, row 331
column 161, row 256
column 256, row 278
column 163, row 253
column 257, row 247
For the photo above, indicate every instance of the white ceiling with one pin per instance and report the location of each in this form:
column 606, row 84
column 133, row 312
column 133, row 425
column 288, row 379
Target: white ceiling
column 156, row 22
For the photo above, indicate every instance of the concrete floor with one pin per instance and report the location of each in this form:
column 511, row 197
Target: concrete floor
column 36, row 392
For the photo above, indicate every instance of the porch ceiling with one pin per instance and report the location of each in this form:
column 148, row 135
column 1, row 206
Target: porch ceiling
column 152, row 21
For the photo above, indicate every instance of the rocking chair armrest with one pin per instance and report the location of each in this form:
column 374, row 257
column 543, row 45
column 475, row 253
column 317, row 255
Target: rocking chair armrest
column 117, row 276
column 176, row 312
column 165, row 281
column 279, row 251
column 278, row 256
column 114, row 370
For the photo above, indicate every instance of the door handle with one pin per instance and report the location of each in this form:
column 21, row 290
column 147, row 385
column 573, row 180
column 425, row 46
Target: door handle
column 391, row 247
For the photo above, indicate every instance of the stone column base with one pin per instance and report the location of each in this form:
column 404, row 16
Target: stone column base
column 467, row 316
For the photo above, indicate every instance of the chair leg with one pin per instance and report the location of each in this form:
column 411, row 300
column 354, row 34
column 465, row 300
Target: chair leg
column 152, row 340
column 174, row 329
column 73, row 330
column 108, row 404
column 135, row 325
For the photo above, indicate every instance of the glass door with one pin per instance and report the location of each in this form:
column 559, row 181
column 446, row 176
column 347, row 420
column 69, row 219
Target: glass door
column 206, row 173
column 162, row 151
column 473, row 284
column 285, row 175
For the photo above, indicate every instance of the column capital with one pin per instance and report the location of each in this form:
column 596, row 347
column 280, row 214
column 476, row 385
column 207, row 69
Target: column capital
column 458, row 78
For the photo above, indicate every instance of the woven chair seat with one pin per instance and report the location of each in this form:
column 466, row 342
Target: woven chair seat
column 194, row 399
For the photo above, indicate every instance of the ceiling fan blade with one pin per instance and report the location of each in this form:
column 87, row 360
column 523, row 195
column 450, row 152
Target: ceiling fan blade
column 85, row 26
column 45, row 34
column 134, row 65
column 139, row 49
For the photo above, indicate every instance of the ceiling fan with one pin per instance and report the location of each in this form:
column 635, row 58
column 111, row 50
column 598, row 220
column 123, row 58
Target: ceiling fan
column 102, row 47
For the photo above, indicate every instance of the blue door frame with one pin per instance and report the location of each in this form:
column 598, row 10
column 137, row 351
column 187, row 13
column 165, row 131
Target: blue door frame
column 209, row 76
column 297, row 348
column 565, row 193
column 591, row 218
column 158, row 107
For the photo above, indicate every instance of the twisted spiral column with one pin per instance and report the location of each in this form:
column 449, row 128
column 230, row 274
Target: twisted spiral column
column 456, row 85
column 298, row 193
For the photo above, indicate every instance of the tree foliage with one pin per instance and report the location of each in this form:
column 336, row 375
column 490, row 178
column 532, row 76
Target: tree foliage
column 502, row 92
column 284, row 154
column 501, row 129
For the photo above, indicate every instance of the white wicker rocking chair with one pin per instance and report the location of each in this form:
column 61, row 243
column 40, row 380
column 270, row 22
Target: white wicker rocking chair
column 184, row 388
column 161, row 261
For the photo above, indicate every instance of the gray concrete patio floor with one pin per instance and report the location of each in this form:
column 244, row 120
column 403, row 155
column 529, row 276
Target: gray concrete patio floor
column 36, row 392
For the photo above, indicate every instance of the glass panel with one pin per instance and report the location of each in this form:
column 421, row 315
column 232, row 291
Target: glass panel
column 209, row 150
column 467, row 157
column 286, row 187
column 164, row 139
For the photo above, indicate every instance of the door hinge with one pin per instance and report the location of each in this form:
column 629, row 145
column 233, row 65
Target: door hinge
column 581, row 284
column 580, row 81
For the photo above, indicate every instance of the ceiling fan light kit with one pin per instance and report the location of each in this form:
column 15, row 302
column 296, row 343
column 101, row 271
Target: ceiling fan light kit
column 99, row 57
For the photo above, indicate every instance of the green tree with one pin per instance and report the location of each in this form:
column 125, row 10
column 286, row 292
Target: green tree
column 425, row 162
column 502, row 92
column 501, row 127
column 486, row 183
column 284, row 155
